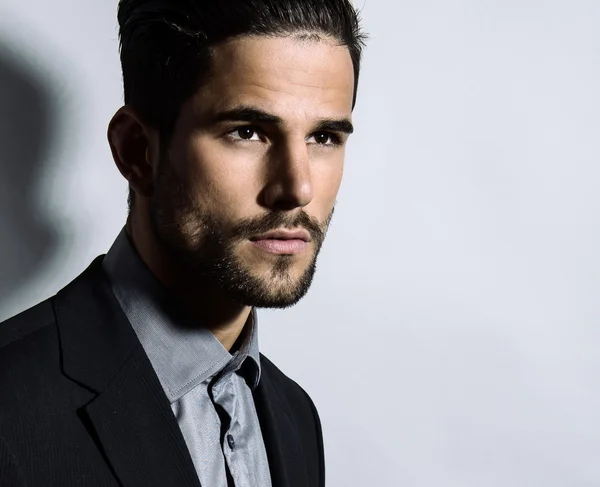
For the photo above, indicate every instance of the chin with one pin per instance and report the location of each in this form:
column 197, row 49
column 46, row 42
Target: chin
column 275, row 300
column 280, row 287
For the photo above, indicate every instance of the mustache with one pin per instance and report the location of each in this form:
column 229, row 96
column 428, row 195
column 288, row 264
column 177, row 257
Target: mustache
column 253, row 226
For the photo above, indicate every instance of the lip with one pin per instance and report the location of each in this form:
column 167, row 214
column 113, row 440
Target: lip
column 284, row 234
column 281, row 247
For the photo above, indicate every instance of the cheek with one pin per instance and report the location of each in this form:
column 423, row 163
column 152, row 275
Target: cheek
column 221, row 180
column 327, row 180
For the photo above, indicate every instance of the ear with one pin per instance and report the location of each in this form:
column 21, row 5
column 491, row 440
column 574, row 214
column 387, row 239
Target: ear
column 134, row 146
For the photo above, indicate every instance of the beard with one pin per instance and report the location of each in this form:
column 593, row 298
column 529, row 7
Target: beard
column 207, row 247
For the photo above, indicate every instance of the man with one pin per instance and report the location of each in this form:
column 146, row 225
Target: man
column 145, row 370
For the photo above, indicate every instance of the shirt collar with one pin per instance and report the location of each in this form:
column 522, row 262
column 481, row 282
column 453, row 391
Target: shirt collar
column 182, row 353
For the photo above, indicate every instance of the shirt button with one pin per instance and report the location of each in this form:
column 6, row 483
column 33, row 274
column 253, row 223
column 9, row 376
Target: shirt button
column 230, row 442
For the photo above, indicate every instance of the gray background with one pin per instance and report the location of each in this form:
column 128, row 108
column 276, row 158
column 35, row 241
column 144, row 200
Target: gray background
column 451, row 336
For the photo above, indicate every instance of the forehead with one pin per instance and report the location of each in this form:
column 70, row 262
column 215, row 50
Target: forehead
column 292, row 77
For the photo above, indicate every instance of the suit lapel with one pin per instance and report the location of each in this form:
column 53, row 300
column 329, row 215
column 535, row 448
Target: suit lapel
column 138, row 431
column 130, row 418
column 287, row 461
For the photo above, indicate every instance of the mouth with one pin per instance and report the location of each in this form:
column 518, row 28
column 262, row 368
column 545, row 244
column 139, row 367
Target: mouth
column 283, row 241
column 284, row 234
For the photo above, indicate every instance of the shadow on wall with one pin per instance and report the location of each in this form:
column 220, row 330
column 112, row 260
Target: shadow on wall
column 27, row 240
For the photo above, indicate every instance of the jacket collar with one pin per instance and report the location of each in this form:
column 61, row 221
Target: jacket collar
column 96, row 338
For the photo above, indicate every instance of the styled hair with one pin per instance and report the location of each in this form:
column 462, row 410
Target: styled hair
column 166, row 45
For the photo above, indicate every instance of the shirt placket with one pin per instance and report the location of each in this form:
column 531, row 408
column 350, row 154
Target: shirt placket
column 225, row 396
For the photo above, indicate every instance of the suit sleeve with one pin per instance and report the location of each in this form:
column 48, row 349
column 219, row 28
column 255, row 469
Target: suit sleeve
column 10, row 473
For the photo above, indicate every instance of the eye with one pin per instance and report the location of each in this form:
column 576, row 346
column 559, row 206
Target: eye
column 324, row 138
column 244, row 133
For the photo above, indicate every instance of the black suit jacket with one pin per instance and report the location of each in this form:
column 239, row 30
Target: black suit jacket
column 80, row 404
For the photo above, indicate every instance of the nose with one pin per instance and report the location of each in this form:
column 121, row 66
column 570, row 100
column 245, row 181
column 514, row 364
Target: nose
column 289, row 184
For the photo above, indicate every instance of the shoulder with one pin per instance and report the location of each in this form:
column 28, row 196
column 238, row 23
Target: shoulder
column 29, row 362
column 28, row 345
column 32, row 369
column 22, row 327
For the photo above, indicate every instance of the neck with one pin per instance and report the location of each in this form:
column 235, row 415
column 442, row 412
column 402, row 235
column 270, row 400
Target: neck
column 205, row 303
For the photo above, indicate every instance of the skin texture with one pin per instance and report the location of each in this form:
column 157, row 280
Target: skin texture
column 259, row 147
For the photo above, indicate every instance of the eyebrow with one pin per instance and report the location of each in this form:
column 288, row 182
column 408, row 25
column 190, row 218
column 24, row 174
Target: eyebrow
column 254, row 115
column 246, row 114
column 345, row 126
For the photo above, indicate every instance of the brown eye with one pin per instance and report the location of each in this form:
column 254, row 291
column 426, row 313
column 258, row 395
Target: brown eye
column 246, row 133
column 324, row 138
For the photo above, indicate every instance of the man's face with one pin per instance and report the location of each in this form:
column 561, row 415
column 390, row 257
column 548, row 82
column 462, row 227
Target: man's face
column 245, row 192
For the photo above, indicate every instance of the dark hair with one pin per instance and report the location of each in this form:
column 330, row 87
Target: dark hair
column 166, row 45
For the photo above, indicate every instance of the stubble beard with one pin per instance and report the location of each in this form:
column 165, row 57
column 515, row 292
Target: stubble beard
column 201, row 243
